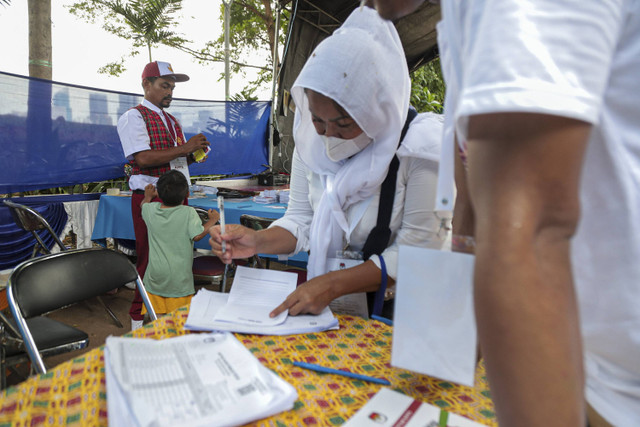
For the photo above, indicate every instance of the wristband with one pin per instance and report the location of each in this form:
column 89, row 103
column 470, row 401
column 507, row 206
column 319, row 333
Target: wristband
column 379, row 298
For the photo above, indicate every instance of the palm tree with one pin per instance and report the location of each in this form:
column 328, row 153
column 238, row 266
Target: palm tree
column 148, row 20
column 40, row 39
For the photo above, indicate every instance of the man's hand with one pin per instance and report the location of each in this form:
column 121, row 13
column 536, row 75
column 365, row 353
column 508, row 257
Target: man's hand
column 310, row 297
column 195, row 143
column 241, row 242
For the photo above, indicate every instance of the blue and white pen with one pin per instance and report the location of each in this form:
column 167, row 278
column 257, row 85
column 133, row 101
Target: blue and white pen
column 221, row 209
column 325, row 370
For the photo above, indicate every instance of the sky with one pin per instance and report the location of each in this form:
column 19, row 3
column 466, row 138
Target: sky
column 80, row 49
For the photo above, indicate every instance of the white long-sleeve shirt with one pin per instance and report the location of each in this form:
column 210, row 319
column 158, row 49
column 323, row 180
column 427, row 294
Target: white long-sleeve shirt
column 134, row 138
column 413, row 219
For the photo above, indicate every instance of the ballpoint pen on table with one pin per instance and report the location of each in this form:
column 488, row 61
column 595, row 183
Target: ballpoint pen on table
column 221, row 209
column 318, row 368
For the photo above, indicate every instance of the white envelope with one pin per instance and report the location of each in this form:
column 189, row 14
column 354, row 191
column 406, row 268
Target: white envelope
column 434, row 327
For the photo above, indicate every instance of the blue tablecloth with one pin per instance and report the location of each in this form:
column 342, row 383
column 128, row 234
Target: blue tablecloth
column 114, row 217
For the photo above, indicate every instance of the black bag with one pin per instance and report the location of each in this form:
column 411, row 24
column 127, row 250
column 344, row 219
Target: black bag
column 379, row 236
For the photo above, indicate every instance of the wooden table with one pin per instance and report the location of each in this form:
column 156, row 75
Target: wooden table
column 74, row 392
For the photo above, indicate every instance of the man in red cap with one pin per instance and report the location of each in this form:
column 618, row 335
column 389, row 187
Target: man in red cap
column 154, row 143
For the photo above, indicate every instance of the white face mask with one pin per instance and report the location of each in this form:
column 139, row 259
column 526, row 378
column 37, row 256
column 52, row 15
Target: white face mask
column 340, row 149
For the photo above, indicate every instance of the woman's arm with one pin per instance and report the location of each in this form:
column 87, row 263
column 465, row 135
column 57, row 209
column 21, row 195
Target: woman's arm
column 418, row 226
column 313, row 296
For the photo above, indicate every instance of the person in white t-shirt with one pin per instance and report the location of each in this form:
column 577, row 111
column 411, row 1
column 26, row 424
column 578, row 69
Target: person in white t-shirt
column 153, row 142
column 543, row 97
column 351, row 107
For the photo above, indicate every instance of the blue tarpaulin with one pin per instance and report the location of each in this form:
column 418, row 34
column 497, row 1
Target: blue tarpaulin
column 55, row 134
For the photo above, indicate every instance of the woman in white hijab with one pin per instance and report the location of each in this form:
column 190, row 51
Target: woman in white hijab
column 352, row 99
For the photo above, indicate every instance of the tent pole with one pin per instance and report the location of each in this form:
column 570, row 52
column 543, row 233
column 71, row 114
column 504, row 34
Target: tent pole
column 273, row 87
column 227, row 6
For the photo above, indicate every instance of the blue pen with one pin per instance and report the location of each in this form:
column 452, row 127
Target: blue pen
column 318, row 368
column 382, row 319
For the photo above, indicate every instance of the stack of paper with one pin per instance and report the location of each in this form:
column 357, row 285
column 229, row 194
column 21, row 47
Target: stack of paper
column 195, row 380
column 254, row 294
column 390, row 408
column 266, row 196
column 283, row 196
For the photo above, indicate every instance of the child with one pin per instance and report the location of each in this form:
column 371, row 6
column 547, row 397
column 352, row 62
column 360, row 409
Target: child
column 172, row 229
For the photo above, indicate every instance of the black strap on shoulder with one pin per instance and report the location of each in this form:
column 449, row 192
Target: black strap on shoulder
column 379, row 236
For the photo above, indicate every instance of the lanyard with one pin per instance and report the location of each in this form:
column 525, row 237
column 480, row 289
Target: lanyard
column 172, row 131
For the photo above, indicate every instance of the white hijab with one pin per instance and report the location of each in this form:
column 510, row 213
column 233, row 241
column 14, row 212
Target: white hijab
column 363, row 68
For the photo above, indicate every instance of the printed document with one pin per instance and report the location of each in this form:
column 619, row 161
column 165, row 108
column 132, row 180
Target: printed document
column 254, row 294
column 195, row 380
column 389, row 408
column 205, row 304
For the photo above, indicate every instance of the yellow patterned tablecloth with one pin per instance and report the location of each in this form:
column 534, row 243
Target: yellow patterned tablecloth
column 73, row 393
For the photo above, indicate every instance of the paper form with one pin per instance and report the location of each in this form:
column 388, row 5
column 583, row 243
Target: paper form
column 254, row 294
column 205, row 305
column 208, row 379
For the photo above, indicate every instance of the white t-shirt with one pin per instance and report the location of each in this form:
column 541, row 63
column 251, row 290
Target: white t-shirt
column 577, row 59
column 134, row 138
column 413, row 219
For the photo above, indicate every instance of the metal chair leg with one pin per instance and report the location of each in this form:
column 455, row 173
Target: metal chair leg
column 113, row 316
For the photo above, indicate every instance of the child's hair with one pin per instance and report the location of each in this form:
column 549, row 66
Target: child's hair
column 173, row 188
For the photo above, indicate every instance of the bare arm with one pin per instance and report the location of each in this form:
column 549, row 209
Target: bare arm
column 524, row 172
column 150, row 158
column 463, row 211
column 313, row 296
column 214, row 216
column 150, row 193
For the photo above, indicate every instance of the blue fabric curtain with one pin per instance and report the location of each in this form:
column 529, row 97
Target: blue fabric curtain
column 54, row 134
column 16, row 245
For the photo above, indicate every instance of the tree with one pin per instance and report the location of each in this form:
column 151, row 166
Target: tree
column 427, row 88
column 147, row 23
column 40, row 39
column 252, row 34
column 152, row 22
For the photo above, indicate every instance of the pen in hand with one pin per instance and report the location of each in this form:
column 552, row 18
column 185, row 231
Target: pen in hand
column 221, row 209
column 318, row 368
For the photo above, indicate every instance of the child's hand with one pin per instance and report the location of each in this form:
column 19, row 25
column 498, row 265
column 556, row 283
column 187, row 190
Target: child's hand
column 213, row 215
column 150, row 192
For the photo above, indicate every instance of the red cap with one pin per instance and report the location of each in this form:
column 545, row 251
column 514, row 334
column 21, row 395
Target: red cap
column 162, row 69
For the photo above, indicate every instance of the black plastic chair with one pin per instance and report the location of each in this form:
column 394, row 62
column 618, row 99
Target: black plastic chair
column 30, row 220
column 50, row 282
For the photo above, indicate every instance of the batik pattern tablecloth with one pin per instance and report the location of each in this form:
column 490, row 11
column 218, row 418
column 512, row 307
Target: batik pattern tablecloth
column 74, row 392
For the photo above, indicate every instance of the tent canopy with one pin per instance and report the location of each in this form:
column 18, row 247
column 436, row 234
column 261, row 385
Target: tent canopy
column 313, row 21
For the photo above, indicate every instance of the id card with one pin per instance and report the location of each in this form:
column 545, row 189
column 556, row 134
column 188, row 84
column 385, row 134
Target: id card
column 180, row 164
column 351, row 304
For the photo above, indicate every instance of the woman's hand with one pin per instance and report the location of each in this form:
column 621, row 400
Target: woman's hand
column 241, row 242
column 313, row 296
column 310, row 297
